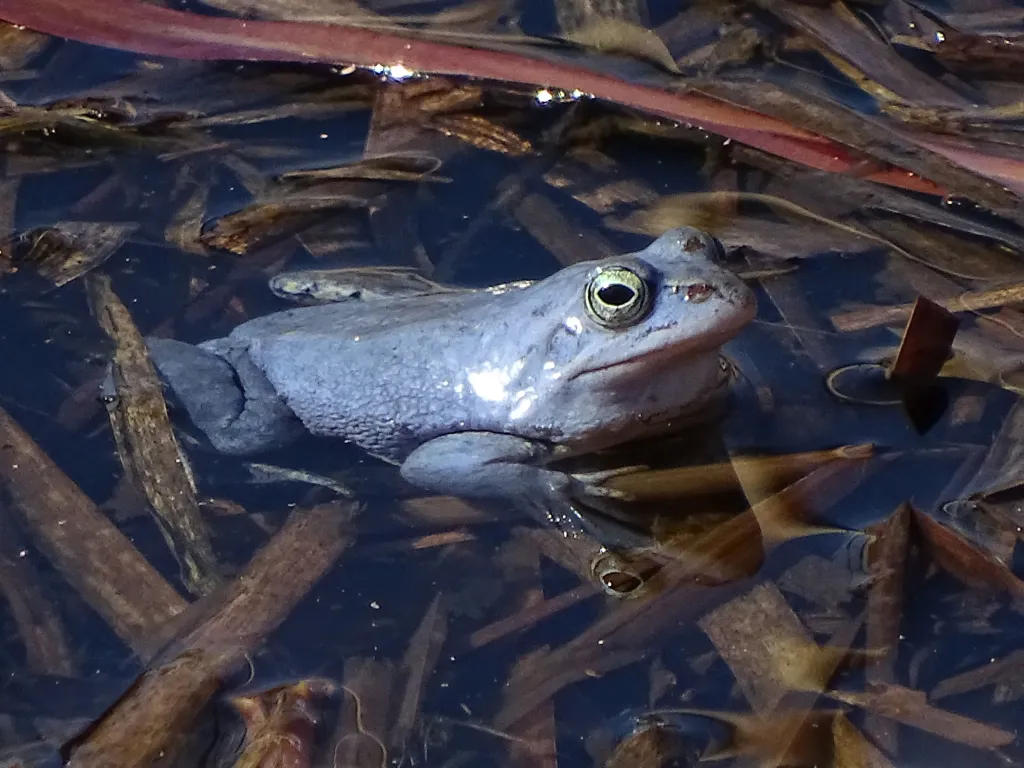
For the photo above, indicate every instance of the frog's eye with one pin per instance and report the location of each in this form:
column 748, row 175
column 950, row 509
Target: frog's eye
column 619, row 576
column 617, row 297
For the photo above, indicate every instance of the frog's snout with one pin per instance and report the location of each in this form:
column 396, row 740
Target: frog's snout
column 742, row 295
column 745, row 301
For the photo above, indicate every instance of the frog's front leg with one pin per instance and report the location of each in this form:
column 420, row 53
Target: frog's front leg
column 494, row 465
column 226, row 396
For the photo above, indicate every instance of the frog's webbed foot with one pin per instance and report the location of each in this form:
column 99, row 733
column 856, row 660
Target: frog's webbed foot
column 488, row 464
column 230, row 400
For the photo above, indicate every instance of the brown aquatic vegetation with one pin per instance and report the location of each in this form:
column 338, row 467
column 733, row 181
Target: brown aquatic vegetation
column 150, row 454
column 769, row 650
column 360, row 736
column 925, row 345
column 534, row 740
column 417, row 666
column 686, row 481
column 1005, row 675
column 40, row 627
column 911, row 708
column 156, row 30
column 70, row 249
column 964, row 560
column 280, row 725
column 968, row 301
column 625, row 629
column 215, row 636
column 886, row 566
column 154, row 715
column 95, row 558
column 854, row 749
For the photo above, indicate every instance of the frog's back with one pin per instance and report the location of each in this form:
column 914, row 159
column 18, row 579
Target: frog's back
column 359, row 317
column 386, row 375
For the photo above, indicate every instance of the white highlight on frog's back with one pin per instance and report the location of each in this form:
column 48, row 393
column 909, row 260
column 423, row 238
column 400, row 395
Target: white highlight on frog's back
column 517, row 285
column 491, row 384
column 524, row 399
column 574, row 325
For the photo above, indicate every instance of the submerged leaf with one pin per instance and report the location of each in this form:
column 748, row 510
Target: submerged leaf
column 619, row 36
column 70, row 249
column 397, row 167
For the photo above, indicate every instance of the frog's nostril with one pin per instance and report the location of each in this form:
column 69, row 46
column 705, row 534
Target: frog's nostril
column 693, row 244
column 698, row 292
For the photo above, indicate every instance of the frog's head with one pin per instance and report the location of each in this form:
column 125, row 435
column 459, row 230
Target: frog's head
column 664, row 304
column 638, row 336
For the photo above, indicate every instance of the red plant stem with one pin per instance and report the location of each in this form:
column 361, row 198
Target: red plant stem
column 157, row 31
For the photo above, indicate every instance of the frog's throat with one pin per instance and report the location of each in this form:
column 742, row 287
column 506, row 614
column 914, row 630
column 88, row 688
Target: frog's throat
column 704, row 409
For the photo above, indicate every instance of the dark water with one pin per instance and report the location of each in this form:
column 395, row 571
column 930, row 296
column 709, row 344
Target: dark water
column 372, row 601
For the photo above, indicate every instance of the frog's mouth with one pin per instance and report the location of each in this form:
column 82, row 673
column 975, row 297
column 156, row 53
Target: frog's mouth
column 659, row 358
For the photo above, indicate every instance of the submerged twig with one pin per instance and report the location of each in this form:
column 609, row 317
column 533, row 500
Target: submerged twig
column 968, row 301
column 95, row 558
column 226, row 626
column 149, row 451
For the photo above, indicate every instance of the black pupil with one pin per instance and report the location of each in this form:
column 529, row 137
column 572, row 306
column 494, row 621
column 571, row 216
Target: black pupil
column 617, row 295
column 622, row 583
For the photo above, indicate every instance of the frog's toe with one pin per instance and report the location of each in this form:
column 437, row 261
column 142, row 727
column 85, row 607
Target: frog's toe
column 592, row 483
